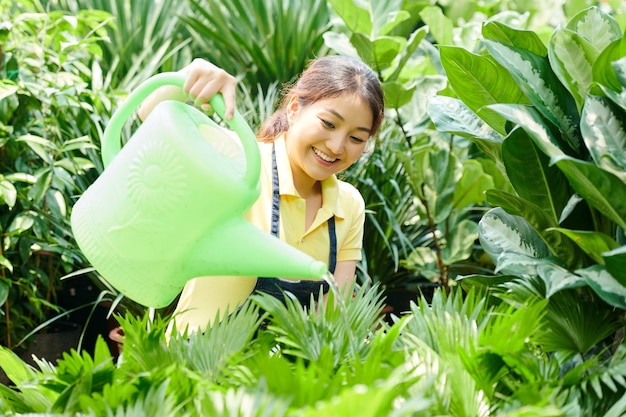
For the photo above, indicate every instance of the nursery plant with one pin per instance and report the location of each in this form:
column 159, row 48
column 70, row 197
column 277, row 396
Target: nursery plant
column 552, row 117
column 46, row 114
column 460, row 355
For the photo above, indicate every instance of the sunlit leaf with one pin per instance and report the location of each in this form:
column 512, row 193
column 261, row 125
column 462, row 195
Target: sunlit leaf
column 480, row 81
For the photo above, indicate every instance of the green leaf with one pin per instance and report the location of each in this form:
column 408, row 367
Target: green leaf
column 540, row 221
column 379, row 53
column 601, row 189
column 602, row 69
column 7, row 89
column 4, row 287
column 406, row 54
column 531, row 175
column 460, row 244
column 615, row 262
column 480, row 81
column 598, row 28
column 536, row 79
column 38, row 190
column 356, row 18
column 571, row 64
column 8, row 193
column 439, row 24
column 620, row 70
column 605, row 285
column 558, row 278
column 544, row 133
column 593, row 244
column 397, row 94
column 603, row 127
column 471, row 187
column 21, row 223
column 507, row 35
column 502, row 235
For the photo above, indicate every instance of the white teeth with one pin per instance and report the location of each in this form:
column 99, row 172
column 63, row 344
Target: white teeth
column 324, row 156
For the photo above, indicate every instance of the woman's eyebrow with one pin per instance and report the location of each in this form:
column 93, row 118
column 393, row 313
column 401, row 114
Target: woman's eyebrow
column 340, row 117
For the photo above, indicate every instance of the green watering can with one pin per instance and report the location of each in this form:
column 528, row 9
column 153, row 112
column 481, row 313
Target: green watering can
column 169, row 205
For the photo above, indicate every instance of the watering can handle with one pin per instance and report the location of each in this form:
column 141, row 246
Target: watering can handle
column 111, row 137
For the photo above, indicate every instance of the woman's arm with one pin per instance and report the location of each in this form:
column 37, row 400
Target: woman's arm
column 345, row 276
column 202, row 81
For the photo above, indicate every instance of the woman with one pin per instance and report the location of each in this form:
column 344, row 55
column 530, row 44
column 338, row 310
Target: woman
column 322, row 126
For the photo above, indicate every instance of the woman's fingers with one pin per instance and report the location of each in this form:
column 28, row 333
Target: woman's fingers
column 204, row 80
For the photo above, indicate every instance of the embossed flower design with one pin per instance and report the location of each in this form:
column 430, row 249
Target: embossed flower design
column 156, row 178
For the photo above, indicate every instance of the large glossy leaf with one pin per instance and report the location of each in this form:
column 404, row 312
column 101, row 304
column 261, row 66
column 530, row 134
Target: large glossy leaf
column 598, row 28
column 507, row 35
column 615, row 261
column 601, row 189
column 544, row 133
column 480, row 81
column 605, row 285
column 507, row 237
column 603, row 127
column 594, row 244
column 357, row 18
column 571, row 62
column 439, row 24
column 471, row 187
column 603, row 72
column 542, row 223
column 536, row 79
column 573, row 50
column 451, row 115
column 558, row 278
column 380, row 52
column 460, row 244
column 532, row 176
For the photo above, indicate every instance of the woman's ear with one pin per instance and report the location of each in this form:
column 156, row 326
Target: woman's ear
column 293, row 105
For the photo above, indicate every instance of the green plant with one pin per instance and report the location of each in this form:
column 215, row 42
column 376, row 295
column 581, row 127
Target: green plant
column 139, row 39
column 553, row 118
column 462, row 355
column 263, row 41
column 46, row 114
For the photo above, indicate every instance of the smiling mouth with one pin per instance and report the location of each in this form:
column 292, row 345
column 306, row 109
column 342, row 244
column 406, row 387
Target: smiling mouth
column 323, row 156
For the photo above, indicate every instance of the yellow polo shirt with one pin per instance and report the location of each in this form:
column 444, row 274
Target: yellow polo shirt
column 204, row 298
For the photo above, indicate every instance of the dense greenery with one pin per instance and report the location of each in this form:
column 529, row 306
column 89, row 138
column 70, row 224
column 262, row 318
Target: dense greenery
column 499, row 168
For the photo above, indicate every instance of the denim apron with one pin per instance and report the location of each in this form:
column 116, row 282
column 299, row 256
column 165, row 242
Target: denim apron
column 302, row 290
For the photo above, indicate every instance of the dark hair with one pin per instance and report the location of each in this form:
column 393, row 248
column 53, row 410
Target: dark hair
column 328, row 77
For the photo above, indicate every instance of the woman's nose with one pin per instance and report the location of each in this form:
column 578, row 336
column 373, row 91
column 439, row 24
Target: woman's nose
column 336, row 143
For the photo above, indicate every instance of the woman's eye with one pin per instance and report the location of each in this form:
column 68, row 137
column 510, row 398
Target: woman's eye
column 357, row 139
column 328, row 124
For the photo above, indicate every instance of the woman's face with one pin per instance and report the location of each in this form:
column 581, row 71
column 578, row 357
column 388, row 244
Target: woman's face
column 327, row 136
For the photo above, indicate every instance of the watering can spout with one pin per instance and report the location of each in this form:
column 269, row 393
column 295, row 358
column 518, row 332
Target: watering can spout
column 239, row 248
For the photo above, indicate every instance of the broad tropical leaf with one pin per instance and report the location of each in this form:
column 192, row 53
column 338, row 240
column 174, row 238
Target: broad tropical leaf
column 503, row 235
column 537, row 80
column 605, row 285
column 601, row 189
column 480, row 81
column 532, row 176
column 603, row 127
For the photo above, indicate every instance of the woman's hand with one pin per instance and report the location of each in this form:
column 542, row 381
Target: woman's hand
column 203, row 80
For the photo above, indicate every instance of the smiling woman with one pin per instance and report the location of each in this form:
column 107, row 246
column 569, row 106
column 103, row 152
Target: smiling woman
column 321, row 128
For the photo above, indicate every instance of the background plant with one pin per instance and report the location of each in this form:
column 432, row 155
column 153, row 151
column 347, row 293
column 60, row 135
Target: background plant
column 48, row 107
column 553, row 119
